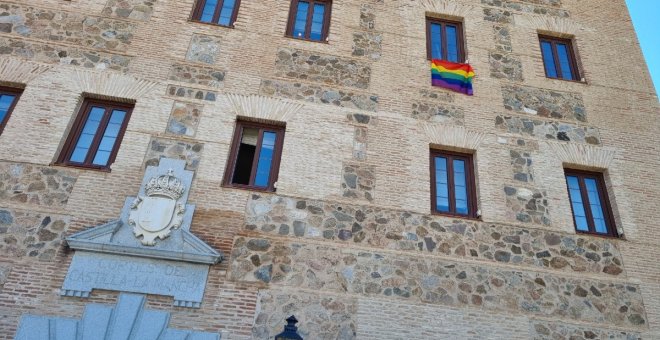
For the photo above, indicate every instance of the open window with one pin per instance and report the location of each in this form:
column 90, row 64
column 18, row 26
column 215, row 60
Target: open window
column 255, row 156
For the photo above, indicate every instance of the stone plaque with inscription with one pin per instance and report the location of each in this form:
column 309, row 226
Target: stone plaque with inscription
column 184, row 281
column 149, row 249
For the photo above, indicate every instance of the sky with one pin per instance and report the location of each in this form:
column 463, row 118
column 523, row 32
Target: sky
column 646, row 18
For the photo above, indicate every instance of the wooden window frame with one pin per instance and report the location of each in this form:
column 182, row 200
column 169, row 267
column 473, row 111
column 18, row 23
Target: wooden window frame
column 199, row 8
column 76, row 130
column 293, row 10
column 555, row 55
column 605, row 202
column 443, row 23
column 11, row 91
column 469, row 178
column 233, row 155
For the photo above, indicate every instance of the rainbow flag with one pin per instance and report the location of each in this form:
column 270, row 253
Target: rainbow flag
column 453, row 76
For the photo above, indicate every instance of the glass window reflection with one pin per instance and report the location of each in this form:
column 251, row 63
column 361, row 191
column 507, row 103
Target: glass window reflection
column 301, row 20
column 226, row 13
column 97, row 140
column 549, row 60
column 452, row 43
column 441, row 184
column 436, row 41
column 591, row 212
column 444, row 40
column 6, row 101
column 317, row 22
column 558, row 59
column 452, row 187
column 209, row 10
column 309, row 19
column 265, row 159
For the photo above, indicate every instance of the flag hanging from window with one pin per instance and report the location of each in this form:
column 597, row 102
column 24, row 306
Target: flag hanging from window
column 454, row 76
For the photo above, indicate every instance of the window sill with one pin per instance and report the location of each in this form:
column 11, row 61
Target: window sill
column 570, row 81
column 82, row 167
column 455, row 62
column 232, row 26
column 463, row 217
column 325, row 41
column 609, row 237
column 247, row 187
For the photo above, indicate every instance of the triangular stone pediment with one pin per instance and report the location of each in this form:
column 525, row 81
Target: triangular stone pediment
column 116, row 237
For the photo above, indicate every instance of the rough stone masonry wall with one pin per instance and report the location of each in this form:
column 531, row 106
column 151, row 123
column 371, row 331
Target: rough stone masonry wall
column 348, row 242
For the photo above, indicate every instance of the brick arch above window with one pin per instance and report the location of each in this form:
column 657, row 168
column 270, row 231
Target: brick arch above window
column 446, row 9
column 562, row 27
column 262, row 108
column 456, row 137
column 111, row 86
column 14, row 71
column 585, row 156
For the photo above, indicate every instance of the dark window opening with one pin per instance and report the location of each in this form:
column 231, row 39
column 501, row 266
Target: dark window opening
column 559, row 58
column 589, row 203
column 219, row 12
column 309, row 19
column 96, row 134
column 452, row 184
column 8, row 99
column 444, row 40
column 255, row 156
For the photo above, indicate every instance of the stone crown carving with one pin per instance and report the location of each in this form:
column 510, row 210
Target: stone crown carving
column 165, row 185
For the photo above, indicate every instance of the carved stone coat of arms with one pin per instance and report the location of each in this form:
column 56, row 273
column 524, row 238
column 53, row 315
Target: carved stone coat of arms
column 154, row 215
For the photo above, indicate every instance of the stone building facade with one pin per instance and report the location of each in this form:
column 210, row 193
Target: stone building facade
column 347, row 242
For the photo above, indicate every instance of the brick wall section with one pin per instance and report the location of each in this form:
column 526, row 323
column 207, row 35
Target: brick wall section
column 373, row 70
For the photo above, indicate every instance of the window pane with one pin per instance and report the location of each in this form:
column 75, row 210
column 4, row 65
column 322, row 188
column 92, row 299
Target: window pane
column 301, row 20
column 575, row 196
column 265, row 159
column 5, row 103
column 564, row 62
column 117, row 116
column 436, row 41
column 548, row 59
column 226, row 12
column 209, row 10
column 441, row 185
column 452, row 43
column 115, row 123
column 595, row 205
column 460, row 187
column 87, row 135
column 317, row 22
column 93, row 120
column 245, row 156
column 79, row 155
column 106, row 144
column 101, row 158
column 109, row 138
